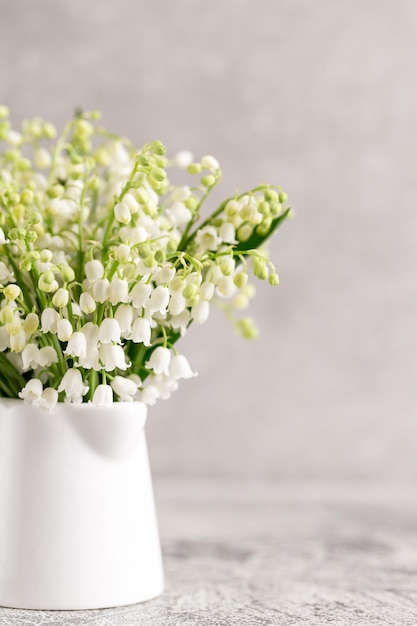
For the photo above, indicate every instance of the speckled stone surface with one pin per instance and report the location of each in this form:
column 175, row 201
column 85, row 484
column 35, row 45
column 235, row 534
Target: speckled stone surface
column 262, row 554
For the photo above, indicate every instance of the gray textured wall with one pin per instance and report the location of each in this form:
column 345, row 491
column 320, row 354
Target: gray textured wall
column 320, row 97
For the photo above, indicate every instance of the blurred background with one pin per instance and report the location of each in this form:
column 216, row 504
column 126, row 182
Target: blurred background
column 321, row 98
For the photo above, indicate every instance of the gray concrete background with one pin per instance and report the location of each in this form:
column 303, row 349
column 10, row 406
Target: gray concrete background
column 320, row 97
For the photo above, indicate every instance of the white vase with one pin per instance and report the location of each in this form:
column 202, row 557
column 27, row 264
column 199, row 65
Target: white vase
column 77, row 519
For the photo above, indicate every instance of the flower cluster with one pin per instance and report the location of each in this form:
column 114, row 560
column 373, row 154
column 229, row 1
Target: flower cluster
column 104, row 263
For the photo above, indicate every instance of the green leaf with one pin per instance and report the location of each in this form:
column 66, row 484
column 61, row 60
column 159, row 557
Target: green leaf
column 256, row 240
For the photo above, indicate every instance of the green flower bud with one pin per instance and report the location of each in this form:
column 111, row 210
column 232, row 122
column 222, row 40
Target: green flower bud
column 4, row 129
column 283, row 197
column 157, row 174
column 144, row 250
column 26, row 197
column 244, row 232
column 16, row 233
column 49, row 130
column 193, row 301
column 160, row 256
column 274, row 279
column 275, row 209
column 31, row 323
column 14, row 327
column 240, row 301
column 67, row 273
column 6, row 315
column 31, row 236
column 240, row 280
column 4, row 111
column 83, row 129
column 149, row 261
column 260, row 268
column 246, row 328
column 232, row 208
column 264, row 228
column 177, row 283
column 159, row 148
column 12, row 292
column 192, row 202
column 263, row 208
column 45, row 256
column 194, row 168
column 270, row 195
column 208, row 181
column 190, row 291
column 143, row 160
column 60, row 298
column 47, row 282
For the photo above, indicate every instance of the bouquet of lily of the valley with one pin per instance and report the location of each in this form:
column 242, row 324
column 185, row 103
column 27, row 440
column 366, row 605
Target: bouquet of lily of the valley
column 104, row 264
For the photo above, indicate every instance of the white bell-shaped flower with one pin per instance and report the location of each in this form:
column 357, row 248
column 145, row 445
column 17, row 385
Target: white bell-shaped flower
column 32, row 392
column 6, row 276
column 180, row 322
column 125, row 388
column 159, row 360
column 124, row 317
column 149, row 394
column 159, row 300
column 94, row 270
column 77, row 345
column 180, row 367
column 177, row 303
column 49, row 320
column 4, row 339
column 207, row 238
column 73, row 385
column 140, row 294
column 101, row 290
column 64, row 330
column 87, row 303
column 226, row 287
column 210, row 163
column 227, row 233
column 103, row 396
column 119, row 291
column 109, row 331
column 164, row 274
column 30, row 356
column 183, row 159
column 207, row 290
column 18, row 341
column 141, row 331
column 122, row 213
column 91, row 360
column 112, row 357
column 49, row 399
column 166, row 385
column 47, row 356
column 178, row 214
column 200, row 311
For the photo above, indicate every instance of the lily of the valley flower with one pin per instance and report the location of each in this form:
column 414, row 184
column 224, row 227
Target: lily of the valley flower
column 109, row 331
column 104, row 263
column 77, row 346
column 34, row 395
column 73, row 385
column 141, row 331
column 160, row 360
column 103, row 396
column 125, row 388
column 112, row 357
column 180, row 367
